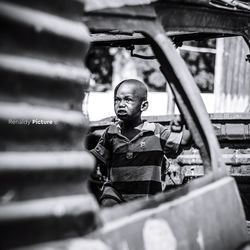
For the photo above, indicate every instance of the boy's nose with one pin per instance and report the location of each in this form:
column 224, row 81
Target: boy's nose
column 122, row 103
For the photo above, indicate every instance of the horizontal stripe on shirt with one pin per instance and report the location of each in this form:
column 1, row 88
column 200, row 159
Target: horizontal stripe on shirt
column 138, row 187
column 149, row 142
column 136, row 173
column 138, row 159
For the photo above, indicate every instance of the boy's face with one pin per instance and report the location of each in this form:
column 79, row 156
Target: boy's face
column 128, row 103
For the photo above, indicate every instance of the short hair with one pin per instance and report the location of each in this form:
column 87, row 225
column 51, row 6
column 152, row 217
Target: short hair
column 137, row 83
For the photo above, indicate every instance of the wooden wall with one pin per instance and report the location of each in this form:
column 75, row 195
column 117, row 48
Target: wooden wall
column 232, row 80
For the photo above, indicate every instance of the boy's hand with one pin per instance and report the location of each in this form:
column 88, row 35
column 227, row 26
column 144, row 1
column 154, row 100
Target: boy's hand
column 176, row 125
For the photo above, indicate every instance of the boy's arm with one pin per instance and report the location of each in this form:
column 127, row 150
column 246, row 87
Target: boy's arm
column 177, row 126
column 102, row 153
column 102, row 149
column 186, row 138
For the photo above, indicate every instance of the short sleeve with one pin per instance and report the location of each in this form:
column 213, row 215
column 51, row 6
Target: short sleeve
column 171, row 141
column 102, row 149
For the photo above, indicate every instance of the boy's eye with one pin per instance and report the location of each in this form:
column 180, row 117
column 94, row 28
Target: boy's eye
column 128, row 99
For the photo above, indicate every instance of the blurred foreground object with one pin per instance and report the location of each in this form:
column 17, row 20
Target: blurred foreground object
column 43, row 168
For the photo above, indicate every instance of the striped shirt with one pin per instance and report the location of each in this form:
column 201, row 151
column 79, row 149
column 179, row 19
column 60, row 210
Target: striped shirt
column 135, row 165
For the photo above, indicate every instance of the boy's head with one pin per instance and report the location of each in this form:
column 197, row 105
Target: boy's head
column 130, row 99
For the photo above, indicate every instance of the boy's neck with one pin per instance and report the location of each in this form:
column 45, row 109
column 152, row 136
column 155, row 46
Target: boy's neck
column 130, row 129
column 131, row 124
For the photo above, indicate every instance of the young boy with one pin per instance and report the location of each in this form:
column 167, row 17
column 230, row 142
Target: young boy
column 133, row 149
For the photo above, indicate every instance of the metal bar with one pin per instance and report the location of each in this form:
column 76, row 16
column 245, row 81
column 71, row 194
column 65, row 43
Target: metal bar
column 197, row 49
column 117, row 39
column 194, row 114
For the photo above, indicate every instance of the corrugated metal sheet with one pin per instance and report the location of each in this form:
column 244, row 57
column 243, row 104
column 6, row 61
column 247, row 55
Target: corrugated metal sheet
column 43, row 165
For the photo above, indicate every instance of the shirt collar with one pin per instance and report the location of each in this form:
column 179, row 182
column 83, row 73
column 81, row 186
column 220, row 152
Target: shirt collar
column 116, row 127
column 147, row 126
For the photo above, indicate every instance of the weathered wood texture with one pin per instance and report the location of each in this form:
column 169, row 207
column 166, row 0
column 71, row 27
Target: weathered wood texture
column 233, row 91
column 43, row 166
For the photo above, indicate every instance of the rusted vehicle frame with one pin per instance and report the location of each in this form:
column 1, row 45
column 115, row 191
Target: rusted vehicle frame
column 205, row 22
column 137, row 25
column 199, row 20
column 174, row 69
column 202, row 22
column 43, row 217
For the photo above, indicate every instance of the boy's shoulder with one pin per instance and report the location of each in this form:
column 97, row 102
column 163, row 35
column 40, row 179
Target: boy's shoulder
column 115, row 127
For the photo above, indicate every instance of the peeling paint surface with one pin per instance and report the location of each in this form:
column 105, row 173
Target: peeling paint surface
column 200, row 240
column 157, row 235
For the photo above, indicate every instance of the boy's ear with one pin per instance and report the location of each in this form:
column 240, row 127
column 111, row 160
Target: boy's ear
column 144, row 106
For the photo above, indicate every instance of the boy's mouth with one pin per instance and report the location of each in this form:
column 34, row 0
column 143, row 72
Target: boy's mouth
column 121, row 112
